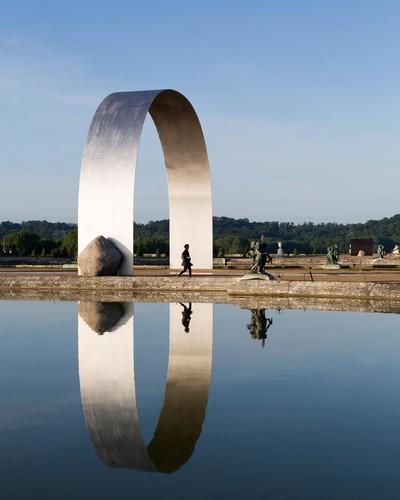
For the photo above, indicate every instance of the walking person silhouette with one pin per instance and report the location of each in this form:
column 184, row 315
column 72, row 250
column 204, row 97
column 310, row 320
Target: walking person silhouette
column 186, row 261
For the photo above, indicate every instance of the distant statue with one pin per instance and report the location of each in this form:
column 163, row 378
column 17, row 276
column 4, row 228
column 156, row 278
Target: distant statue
column 259, row 325
column 332, row 255
column 381, row 251
column 258, row 251
column 252, row 251
column 221, row 253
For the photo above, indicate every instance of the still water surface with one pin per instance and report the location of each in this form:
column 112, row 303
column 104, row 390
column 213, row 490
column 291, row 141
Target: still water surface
column 196, row 403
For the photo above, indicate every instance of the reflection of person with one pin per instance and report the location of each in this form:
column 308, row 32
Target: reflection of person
column 186, row 261
column 186, row 316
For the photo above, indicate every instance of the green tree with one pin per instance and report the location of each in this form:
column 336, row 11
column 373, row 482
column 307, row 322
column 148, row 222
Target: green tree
column 64, row 252
column 139, row 251
column 70, row 243
column 23, row 240
column 43, row 252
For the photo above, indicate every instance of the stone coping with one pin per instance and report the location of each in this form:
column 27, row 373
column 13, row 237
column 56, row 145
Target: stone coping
column 379, row 296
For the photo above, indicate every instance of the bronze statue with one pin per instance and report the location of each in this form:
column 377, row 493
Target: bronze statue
column 258, row 251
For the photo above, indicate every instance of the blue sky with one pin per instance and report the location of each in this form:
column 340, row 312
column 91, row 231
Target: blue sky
column 299, row 101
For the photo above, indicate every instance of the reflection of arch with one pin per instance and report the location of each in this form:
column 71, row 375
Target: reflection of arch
column 106, row 187
column 106, row 373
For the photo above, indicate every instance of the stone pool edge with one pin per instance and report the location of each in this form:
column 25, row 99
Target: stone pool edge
column 230, row 286
column 254, row 294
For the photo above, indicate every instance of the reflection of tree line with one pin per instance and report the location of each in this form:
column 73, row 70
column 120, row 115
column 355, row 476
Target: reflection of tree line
column 107, row 380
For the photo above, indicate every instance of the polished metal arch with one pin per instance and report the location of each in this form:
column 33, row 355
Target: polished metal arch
column 108, row 391
column 106, row 187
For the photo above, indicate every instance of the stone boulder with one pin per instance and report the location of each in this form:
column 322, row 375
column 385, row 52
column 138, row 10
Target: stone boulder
column 100, row 258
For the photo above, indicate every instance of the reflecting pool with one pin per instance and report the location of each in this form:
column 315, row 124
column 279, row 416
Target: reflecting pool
column 105, row 400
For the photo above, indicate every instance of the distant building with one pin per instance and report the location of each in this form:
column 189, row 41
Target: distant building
column 361, row 246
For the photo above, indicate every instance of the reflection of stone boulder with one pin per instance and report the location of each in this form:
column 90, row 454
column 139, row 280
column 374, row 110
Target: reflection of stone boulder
column 100, row 316
column 100, row 258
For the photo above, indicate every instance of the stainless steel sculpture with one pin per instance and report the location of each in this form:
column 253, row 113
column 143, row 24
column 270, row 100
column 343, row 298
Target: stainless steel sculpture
column 106, row 189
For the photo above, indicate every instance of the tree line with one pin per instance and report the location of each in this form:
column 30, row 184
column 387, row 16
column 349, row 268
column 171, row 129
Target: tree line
column 38, row 238
column 234, row 235
column 231, row 236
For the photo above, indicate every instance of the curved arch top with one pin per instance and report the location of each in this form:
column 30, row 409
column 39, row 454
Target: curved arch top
column 106, row 187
